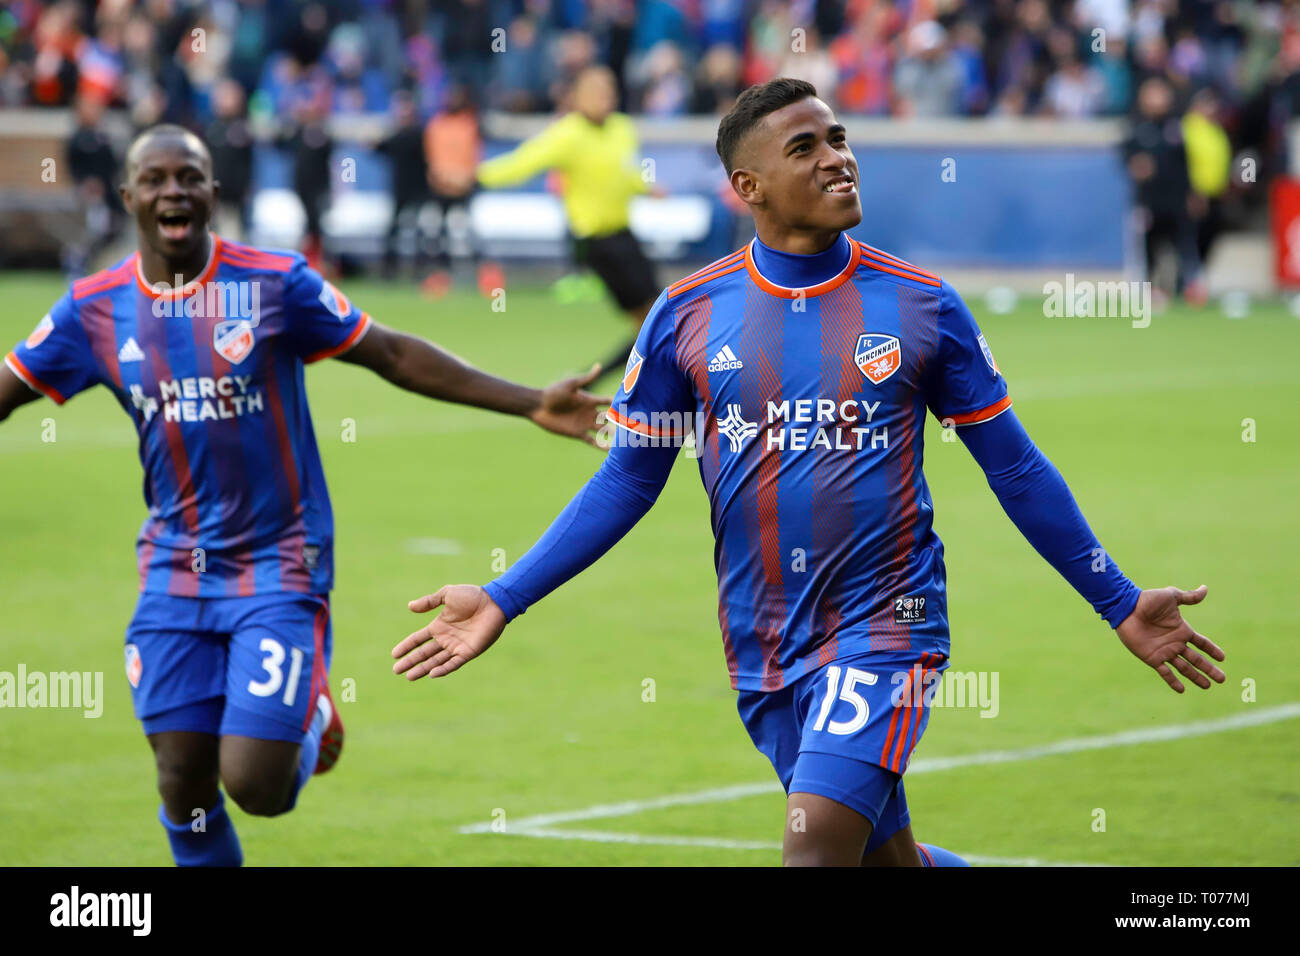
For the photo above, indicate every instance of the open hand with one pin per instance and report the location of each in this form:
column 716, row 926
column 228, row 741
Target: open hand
column 469, row 624
column 1158, row 636
column 567, row 409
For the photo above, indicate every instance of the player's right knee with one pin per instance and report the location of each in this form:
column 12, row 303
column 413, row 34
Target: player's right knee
column 186, row 784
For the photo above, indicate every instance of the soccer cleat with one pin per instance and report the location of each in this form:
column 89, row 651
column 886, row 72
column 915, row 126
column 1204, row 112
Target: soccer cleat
column 331, row 738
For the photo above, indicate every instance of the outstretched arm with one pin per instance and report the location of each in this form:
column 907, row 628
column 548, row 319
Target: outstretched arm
column 419, row 366
column 544, row 151
column 14, row 392
column 1036, row 498
column 608, row 506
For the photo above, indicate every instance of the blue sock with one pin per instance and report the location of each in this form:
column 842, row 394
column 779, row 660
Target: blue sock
column 307, row 756
column 937, row 856
column 217, row 844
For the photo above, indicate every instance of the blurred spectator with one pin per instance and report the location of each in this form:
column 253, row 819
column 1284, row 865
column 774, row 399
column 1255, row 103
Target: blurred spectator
column 231, row 143
column 404, row 147
column 968, row 49
column 467, row 29
column 717, row 81
column 522, row 77
column 866, row 62
column 662, row 80
column 452, row 146
column 1075, row 91
column 1209, row 166
column 808, row 59
column 928, row 81
column 1112, row 67
column 307, row 138
column 1157, row 161
column 94, row 169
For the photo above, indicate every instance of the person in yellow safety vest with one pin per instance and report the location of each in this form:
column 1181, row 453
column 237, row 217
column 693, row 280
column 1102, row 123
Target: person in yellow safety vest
column 595, row 150
column 1209, row 167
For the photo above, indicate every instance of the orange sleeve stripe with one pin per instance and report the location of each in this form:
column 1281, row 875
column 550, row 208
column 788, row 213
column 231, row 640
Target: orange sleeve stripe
column 641, row 428
column 870, row 259
column 898, row 272
column 343, row 346
column 881, row 254
column 22, row 371
column 254, row 258
column 101, row 281
column 721, row 263
column 735, row 267
column 982, row 415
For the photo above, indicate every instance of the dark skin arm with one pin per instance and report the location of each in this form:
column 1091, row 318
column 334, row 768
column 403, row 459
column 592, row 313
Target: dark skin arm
column 14, row 392
column 419, row 366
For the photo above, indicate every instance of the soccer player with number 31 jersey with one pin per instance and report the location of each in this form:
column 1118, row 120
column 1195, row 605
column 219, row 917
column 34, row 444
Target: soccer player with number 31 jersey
column 203, row 343
column 804, row 365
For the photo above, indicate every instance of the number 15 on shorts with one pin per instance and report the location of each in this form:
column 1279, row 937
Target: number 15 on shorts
column 846, row 692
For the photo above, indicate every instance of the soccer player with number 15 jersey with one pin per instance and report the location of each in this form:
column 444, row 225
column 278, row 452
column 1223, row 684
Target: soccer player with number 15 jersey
column 804, row 364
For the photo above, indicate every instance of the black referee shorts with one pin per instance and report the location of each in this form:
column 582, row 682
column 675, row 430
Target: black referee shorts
column 622, row 265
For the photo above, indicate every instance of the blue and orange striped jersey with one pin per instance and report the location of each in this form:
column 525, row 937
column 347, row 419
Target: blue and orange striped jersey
column 808, row 408
column 211, row 375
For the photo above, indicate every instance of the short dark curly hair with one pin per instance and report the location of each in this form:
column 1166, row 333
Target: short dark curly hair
column 750, row 108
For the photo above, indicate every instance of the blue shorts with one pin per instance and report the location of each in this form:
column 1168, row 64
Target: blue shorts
column 846, row 732
column 247, row 666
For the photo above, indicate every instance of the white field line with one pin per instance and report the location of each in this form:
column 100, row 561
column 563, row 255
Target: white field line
column 538, row 824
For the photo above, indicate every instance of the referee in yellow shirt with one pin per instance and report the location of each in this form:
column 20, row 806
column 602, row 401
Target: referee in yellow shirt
column 595, row 148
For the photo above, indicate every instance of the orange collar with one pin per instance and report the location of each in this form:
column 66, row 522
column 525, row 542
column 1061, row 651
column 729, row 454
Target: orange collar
column 784, row 292
column 208, row 272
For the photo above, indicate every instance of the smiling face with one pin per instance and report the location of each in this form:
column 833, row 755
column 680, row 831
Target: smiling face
column 170, row 191
column 798, row 175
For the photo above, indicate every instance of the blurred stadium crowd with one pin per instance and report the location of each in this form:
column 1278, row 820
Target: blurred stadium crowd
column 1201, row 83
column 1068, row 58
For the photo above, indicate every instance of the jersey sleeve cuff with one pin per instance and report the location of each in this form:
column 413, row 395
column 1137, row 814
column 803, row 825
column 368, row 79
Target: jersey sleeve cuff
column 31, row 381
column 980, row 414
column 353, row 338
column 638, row 423
column 502, row 599
column 1125, row 606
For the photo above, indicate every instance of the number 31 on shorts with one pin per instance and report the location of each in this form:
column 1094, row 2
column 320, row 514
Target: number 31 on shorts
column 848, row 692
column 272, row 664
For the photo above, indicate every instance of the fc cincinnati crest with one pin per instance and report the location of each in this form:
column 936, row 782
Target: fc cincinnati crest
column 878, row 356
column 41, row 332
column 988, row 355
column 633, row 371
column 233, row 340
column 335, row 301
column 134, row 667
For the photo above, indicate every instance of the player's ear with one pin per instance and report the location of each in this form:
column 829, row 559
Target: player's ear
column 746, row 186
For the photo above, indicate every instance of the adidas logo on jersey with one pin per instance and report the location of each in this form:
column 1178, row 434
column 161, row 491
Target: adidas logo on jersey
column 130, row 352
column 725, row 360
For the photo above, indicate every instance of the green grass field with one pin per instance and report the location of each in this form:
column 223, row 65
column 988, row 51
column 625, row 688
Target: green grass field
column 1145, row 424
